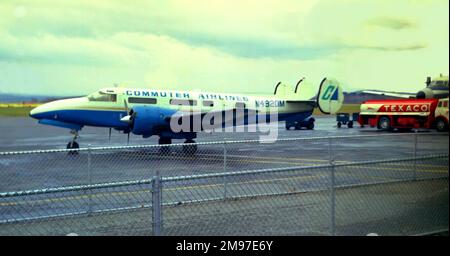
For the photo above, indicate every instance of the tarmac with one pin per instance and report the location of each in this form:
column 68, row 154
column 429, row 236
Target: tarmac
column 20, row 172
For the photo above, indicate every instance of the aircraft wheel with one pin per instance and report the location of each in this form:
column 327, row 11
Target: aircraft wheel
column 164, row 141
column 190, row 149
column 73, row 145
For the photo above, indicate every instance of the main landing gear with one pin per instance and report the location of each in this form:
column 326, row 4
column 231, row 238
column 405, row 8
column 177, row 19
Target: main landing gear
column 189, row 148
column 164, row 141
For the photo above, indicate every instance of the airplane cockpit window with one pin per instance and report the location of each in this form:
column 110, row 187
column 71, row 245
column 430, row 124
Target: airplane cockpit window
column 240, row 105
column 100, row 96
column 438, row 84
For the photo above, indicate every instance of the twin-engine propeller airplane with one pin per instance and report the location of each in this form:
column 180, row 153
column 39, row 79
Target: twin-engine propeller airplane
column 148, row 112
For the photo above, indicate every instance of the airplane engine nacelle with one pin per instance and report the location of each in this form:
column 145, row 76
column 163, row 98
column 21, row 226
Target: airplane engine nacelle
column 426, row 93
column 148, row 120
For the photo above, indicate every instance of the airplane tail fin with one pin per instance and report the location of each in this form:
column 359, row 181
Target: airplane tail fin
column 330, row 97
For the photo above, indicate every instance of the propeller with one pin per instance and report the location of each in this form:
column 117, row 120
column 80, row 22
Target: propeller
column 129, row 119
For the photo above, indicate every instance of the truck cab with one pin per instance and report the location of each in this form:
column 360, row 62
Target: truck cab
column 441, row 115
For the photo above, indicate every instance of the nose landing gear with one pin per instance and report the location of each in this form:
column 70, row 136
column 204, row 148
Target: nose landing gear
column 73, row 144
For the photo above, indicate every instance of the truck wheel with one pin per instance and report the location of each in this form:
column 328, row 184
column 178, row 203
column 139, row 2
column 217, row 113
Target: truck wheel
column 441, row 125
column 350, row 124
column 310, row 126
column 339, row 124
column 384, row 123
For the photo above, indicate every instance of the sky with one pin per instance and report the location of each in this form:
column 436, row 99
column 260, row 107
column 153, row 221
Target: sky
column 77, row 47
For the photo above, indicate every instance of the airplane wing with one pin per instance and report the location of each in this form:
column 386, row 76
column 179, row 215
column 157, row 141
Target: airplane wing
column 302, row 101
column 391, row 94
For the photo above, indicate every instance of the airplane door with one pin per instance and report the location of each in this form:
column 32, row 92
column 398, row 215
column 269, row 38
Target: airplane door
column 122, row 104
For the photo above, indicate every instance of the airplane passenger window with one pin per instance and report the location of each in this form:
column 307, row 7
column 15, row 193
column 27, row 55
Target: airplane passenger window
column 208, row 103
column 99, row 96
column 142, row 100
column 240, row 105
column 183, row 102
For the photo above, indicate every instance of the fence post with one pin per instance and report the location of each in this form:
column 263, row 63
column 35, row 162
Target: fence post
column 225, row 180
column 415, row 156
column 156, row 205
column 332, row 191
column 90, row 179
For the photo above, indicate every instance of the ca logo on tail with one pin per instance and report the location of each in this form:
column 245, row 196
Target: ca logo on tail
column 330, row 97
column 330, row 89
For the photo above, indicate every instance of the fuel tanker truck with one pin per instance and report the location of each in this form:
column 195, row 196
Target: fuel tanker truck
column 405, row 114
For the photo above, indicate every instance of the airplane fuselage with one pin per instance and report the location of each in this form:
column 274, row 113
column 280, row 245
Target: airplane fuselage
column 107, row 107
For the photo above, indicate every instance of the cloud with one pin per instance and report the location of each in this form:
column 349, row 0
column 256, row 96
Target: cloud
column 253, row 29
column 273, row 48
column 50, row 49
column 391, row 23
column 220, row 45
column 396, row 48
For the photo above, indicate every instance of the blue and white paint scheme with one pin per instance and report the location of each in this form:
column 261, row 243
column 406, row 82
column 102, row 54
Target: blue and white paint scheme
column 149, row 112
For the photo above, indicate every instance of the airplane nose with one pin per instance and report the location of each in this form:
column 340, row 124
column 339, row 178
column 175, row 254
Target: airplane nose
column 33, row 112
column 38, row 112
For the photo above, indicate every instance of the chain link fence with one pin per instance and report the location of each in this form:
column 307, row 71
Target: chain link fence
column 315, row 186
